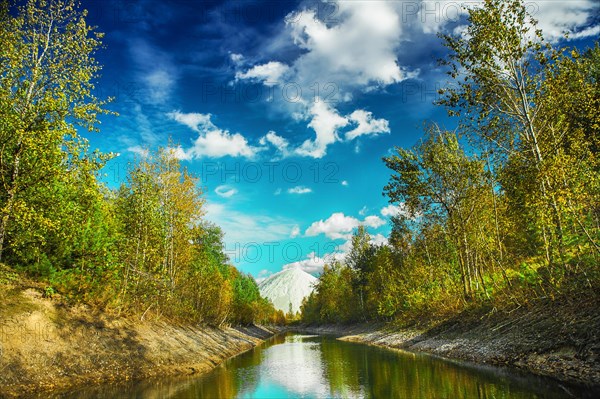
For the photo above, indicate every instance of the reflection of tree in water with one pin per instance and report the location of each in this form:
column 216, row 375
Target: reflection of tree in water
column 355, row 370
column 342, row 368
column 324, row 367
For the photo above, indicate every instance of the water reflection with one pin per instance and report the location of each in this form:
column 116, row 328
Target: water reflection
column 301, row 366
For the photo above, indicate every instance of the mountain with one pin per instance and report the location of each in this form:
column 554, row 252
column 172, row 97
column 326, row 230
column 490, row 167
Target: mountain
column 287, row 286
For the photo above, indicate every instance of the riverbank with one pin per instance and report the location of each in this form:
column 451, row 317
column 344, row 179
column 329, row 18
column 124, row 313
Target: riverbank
column 47, row 345
column 559, row 339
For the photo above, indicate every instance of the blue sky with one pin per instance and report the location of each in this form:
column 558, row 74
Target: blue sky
column 284, row 109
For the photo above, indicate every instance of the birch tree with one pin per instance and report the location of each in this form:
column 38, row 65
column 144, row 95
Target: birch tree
column 47, row 73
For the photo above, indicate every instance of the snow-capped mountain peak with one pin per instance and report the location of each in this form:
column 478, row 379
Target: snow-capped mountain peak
column 287, row 286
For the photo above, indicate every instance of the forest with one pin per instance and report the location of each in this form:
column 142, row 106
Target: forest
column 142, row 249
column 500, row 212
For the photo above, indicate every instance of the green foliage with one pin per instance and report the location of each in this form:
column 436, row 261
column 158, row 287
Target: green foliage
column 501, row 211
column 47, row 68
column 143, row 249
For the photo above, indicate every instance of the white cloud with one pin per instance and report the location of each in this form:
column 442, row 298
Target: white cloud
column 299, row 190
column 340, row 226
column 373, row 221
column 195, row 121
column 335, row 227
column 220, row 143
column 269, row 74
column 363, row 211
column 554, row 17
column 280, row 143
column 225, row 191
column 587, row 32
column 354, row 50
column 344, row 183
column 366, row 124
column 236, row 58
column 212, row 141
column 379, row 239
column 277, row 192
column 295, row 231
column 325, row 122
column 180, row 153
column 393, row 210
column 314, row 264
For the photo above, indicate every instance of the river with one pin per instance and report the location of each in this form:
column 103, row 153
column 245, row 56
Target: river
column 308, row 366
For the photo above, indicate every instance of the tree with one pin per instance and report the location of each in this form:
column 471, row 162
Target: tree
column 47, row 69
column 439, row 182
column 359, row 261
column 160, row 210
column 518, row 96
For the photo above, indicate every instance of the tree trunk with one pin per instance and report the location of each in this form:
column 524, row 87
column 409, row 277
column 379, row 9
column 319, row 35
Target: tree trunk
column 10, row 202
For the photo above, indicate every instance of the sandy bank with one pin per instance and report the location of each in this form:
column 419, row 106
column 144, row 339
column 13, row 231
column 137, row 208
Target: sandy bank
column 45, row 345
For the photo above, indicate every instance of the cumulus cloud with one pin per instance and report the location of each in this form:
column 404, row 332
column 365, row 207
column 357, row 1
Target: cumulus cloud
column 280, row 143
column 212, row 141
column 299, row 190
column 340, row 226
column 373, row 221
column 366, row 124
column 344, row 183
column 219, row 143
column 225, row 191
column 335, row 227
column 325, row 122
column 355, row 51
column 269, row 74
column 314, row 264
column 557, row 17
column 193, row 120
column 393, row 210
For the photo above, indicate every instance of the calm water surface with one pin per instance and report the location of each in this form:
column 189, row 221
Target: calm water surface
column 304, row 366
